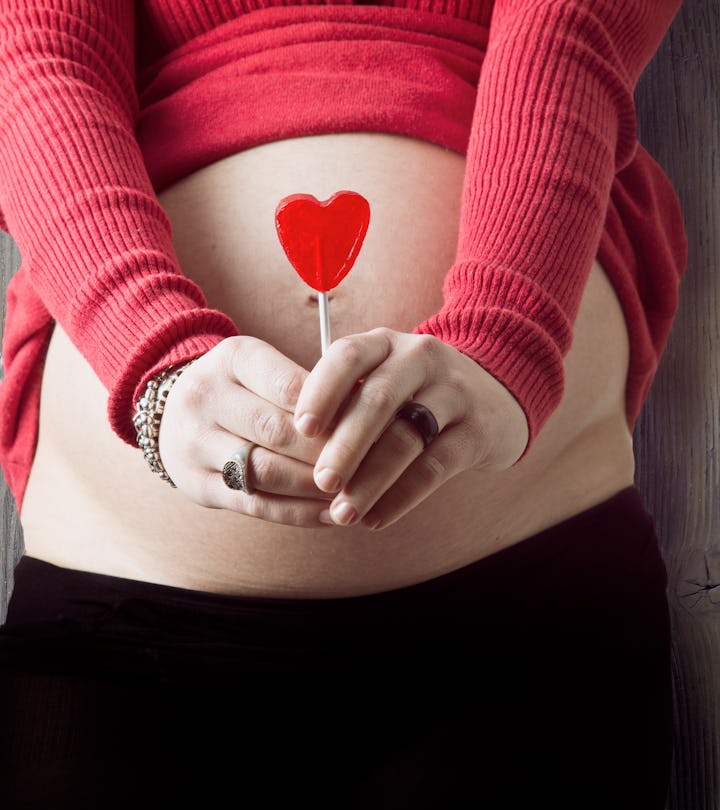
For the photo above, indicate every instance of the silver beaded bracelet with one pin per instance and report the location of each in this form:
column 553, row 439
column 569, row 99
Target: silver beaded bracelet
column 148, row 413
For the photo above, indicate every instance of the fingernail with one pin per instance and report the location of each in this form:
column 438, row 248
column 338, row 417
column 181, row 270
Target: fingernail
column 343, row 513
column 308, row 425
column 324, row 517
column 328, row 480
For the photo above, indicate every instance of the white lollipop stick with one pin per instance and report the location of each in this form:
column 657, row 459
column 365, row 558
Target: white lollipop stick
column 324, row 311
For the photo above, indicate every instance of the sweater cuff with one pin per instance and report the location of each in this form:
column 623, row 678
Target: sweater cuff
column 177, row 340
column 512, row 328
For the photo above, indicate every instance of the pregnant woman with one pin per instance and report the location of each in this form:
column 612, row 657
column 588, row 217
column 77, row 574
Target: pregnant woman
column 432, row 583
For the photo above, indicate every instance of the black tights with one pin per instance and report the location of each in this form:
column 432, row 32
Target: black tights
column 536, row 677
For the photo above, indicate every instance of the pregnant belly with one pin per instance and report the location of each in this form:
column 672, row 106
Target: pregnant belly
column 92, row 504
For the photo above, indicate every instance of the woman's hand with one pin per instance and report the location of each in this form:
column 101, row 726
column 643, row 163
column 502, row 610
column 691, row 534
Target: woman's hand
column 242, row 391
column 376, row 465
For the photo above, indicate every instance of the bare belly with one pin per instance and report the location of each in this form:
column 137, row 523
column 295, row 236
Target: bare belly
column 92, row 504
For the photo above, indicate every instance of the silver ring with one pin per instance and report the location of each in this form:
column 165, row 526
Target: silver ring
column 235, row 473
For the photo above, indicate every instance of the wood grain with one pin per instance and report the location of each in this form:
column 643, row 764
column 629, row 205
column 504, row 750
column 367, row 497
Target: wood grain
column 678, row 434
column 10, row 532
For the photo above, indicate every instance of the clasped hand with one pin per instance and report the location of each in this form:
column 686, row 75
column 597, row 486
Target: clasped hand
column 329, row 450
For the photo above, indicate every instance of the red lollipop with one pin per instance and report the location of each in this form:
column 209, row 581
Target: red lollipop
column 322, row 241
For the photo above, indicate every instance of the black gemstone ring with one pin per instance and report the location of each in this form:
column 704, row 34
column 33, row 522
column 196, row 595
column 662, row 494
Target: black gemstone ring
column 421, row 418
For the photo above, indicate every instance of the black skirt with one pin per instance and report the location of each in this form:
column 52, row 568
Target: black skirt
column 538, row 676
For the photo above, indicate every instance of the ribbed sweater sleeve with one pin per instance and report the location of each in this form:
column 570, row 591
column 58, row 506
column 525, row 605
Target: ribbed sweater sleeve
column 554, row 122
column 76, row 197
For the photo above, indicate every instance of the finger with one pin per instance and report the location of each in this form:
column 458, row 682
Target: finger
column 264, row 370
column 367, row 416
column 385, row 462
column 268, row 471
column 335, row 377
column 207, row 405
column 268, row 426
column 288, row 510
column 440, row 462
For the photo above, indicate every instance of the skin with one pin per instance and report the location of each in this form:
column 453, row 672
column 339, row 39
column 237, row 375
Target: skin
column 92, row 504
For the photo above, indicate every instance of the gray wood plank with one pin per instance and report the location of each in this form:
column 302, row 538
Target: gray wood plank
column 10, row 532
column 678, row 434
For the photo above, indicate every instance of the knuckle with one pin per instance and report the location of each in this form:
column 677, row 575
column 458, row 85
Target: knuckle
column 236, row 353
column 287, row 385
column 478, row 437
column 388, row 338
column 348, row 350
column 193, row 391
column 292, row 514
column 425, row 348
column 274, row 430
column 263, row 469
column 384, row 333
column 455, row 383
column 253, row 506
column 380, row 397
column 430, row 469
column 228, row 351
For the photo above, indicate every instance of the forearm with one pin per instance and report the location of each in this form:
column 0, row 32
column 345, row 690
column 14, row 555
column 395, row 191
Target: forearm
column 553, row 124
column 77, row 199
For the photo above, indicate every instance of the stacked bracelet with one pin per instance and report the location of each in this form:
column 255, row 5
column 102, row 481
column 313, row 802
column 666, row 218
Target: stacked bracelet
column 148, row 413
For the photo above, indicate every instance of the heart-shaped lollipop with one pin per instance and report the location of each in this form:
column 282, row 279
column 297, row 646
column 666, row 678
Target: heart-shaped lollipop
column 322, row 241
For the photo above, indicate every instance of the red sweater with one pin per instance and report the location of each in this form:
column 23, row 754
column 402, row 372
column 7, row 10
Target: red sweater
column 537, row 93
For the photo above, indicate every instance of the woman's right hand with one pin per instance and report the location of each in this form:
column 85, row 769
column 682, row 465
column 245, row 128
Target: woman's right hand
column 242, row 391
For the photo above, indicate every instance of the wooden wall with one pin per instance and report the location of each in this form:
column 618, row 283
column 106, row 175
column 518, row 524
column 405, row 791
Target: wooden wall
column 10, row 534
column 678, row 434
column 677, row 439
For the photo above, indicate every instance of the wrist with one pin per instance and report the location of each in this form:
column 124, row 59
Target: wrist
column 148, row 415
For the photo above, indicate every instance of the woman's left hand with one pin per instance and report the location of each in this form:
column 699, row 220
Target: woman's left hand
column 377, row 464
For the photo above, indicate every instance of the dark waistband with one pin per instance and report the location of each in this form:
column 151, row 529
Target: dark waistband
column 598, row 575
